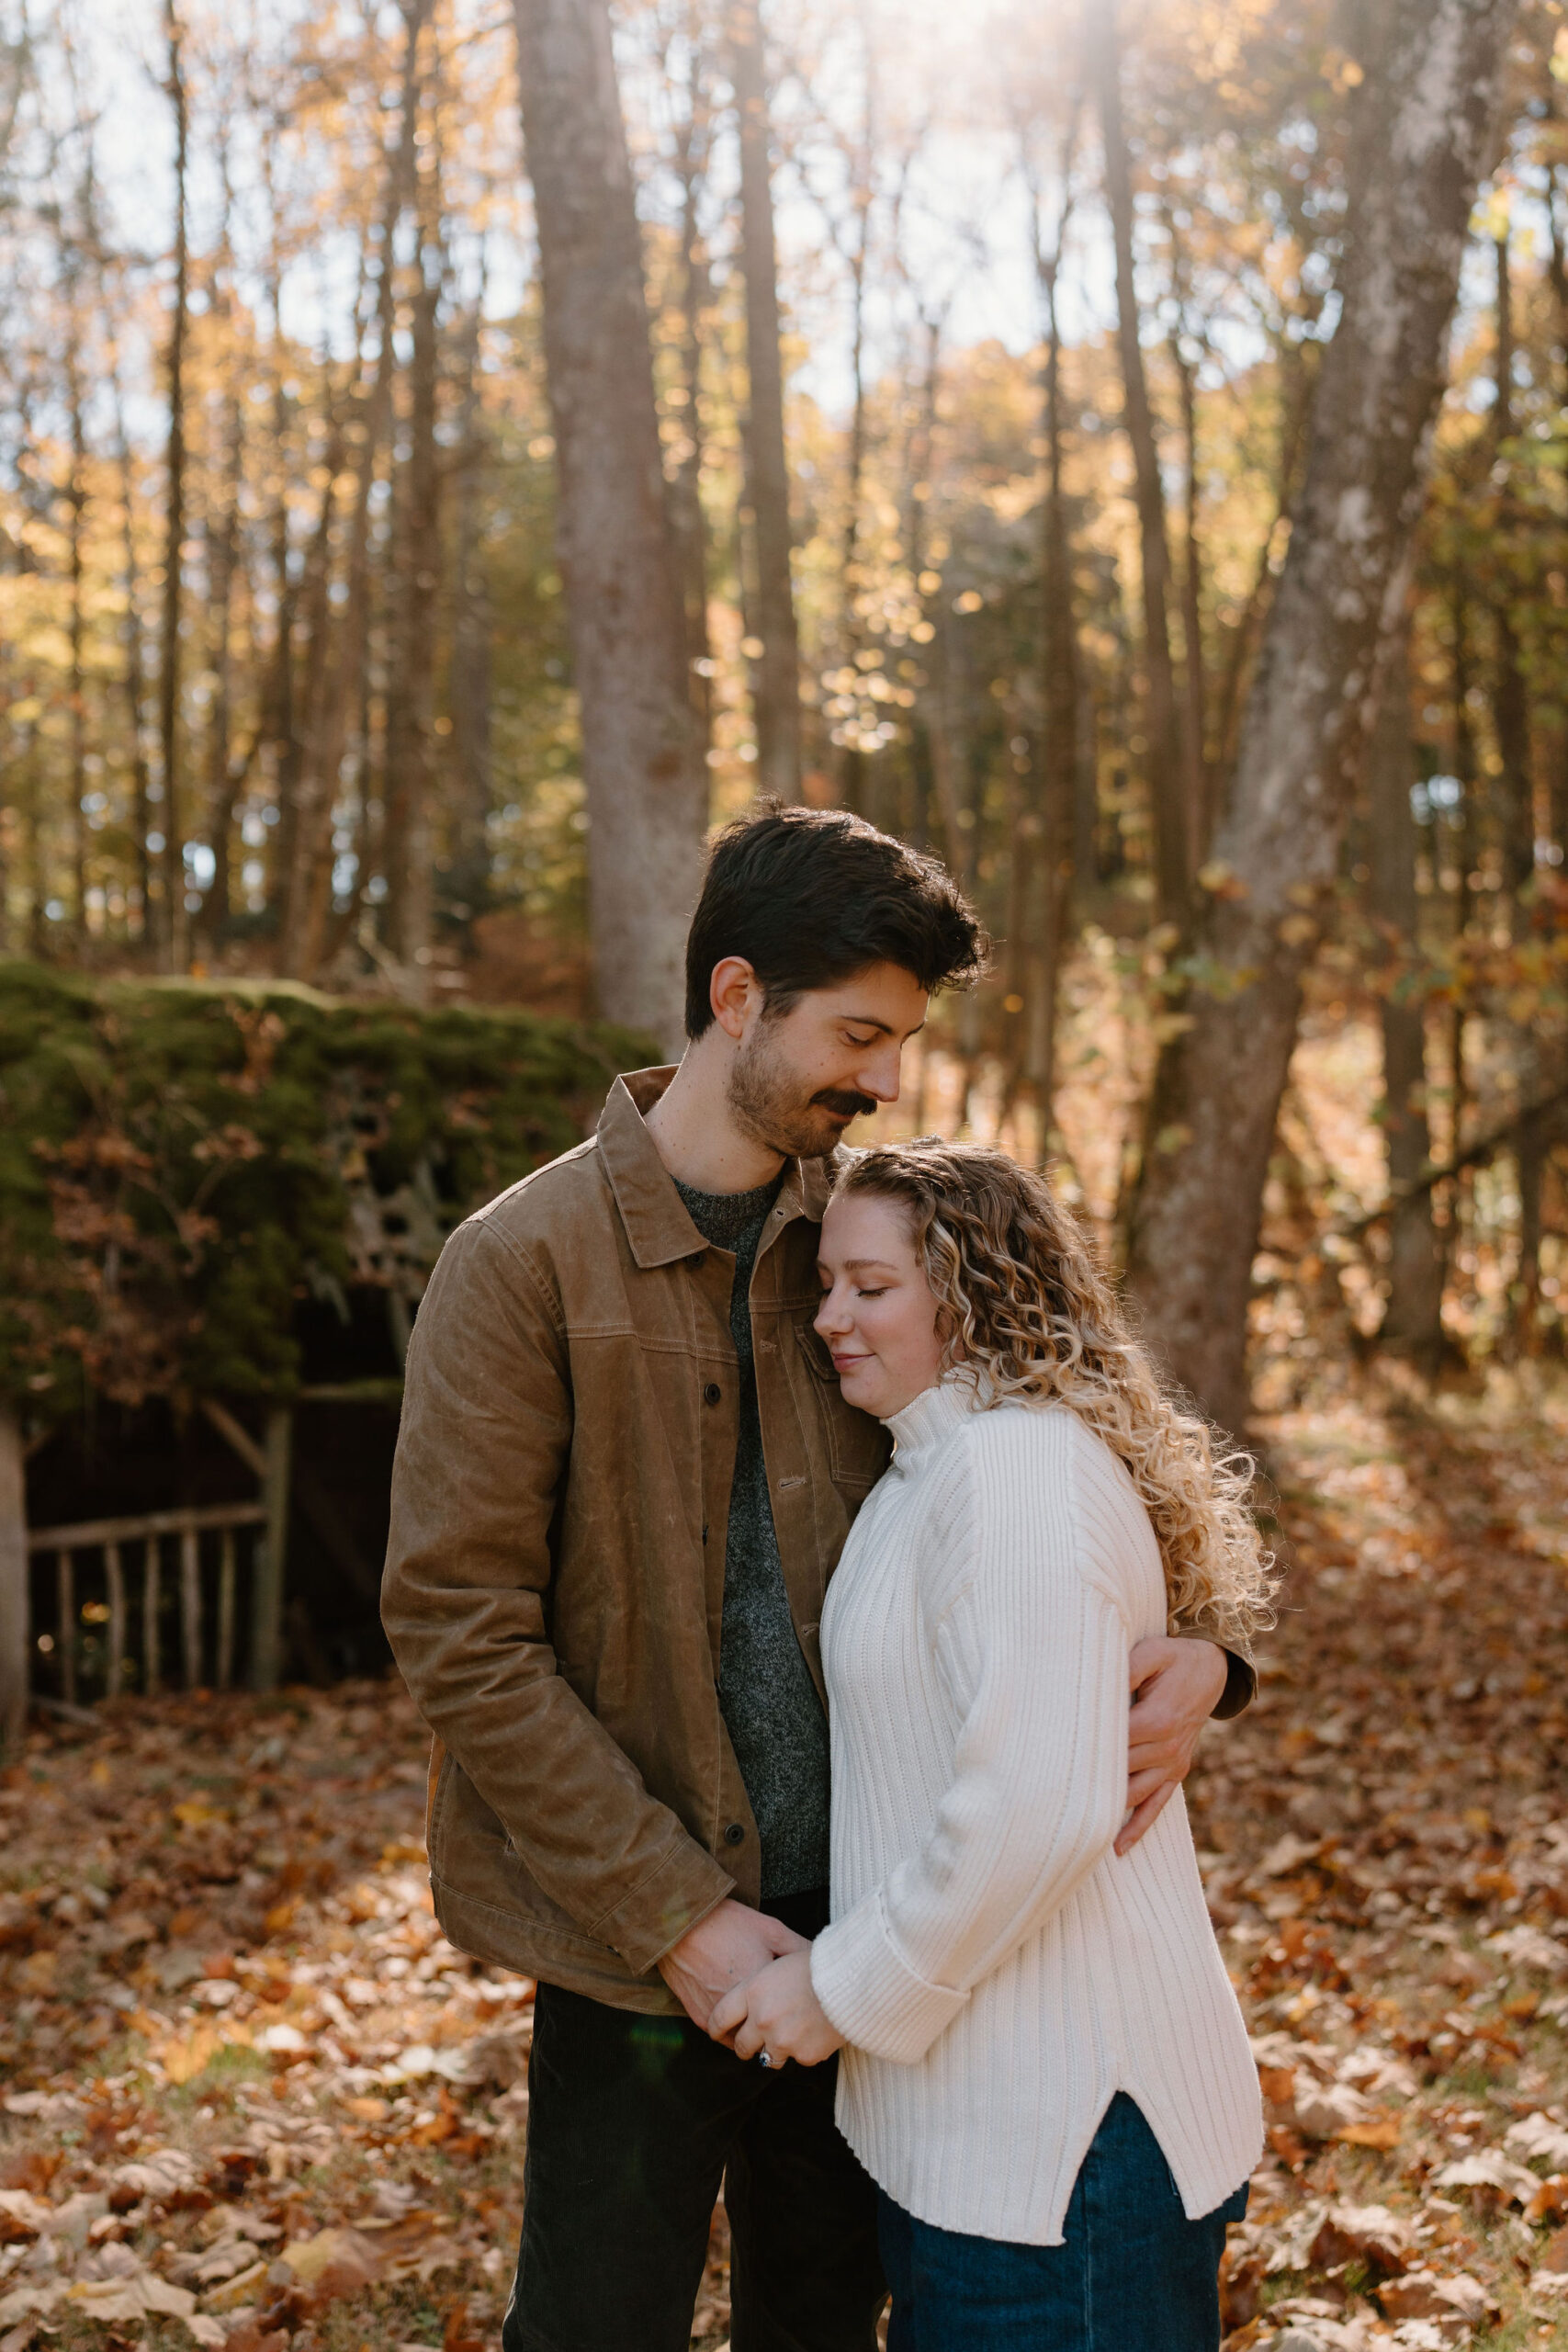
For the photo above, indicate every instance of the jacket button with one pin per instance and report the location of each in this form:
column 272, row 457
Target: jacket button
column 712, row 1392
column 735, row 1835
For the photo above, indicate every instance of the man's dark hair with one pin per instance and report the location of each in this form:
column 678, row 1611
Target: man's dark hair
column 809, row 896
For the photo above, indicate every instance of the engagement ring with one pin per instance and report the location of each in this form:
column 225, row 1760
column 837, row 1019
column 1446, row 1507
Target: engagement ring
column 764, row 2057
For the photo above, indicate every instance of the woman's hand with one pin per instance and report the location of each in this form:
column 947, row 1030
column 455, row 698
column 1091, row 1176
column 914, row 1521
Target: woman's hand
column 1177, row 1684
column 777, row 2011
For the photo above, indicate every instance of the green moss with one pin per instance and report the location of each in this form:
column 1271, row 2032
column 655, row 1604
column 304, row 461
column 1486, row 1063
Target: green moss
column 182, row 1163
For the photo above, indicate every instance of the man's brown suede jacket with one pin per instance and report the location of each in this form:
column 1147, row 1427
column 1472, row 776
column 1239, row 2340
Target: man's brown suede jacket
column 555, row 1570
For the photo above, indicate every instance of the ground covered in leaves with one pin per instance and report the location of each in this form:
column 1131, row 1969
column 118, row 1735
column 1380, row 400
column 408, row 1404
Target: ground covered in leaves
column 252, row 2097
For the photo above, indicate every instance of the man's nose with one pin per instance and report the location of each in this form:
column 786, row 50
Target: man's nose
column 879, row 1076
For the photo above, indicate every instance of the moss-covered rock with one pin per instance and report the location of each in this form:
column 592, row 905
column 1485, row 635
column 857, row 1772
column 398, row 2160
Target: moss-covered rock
column 181, row 1163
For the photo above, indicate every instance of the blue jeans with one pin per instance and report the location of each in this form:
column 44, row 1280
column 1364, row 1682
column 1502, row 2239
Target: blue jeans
column 1132, row 2275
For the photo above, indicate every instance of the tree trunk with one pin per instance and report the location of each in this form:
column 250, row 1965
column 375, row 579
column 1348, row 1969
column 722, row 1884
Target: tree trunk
column 1423, row 139
column 1510, row 701
column 641, row 759
column 411, row 697
column 467, row 878
column 1511, row 724
column 14, row 1646
column 852, row 766
column 174, row 934
column 1413, row 1319
column 1194, row 712
column 1557, row 277
column 1297, row 410
column 280, row 728
column 1057, row 765
column 775, row 671
column 340, row 709
column 223, row 781
column 688, row 517
column 1174, row 825
column 307, row 845
column 135, row 684
column 76, row 500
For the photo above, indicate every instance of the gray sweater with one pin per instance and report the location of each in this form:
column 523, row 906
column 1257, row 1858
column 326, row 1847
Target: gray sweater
column 769, row 1700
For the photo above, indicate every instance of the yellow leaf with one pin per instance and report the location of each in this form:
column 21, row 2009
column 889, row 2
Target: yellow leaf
column 182, row 2061
column 1377, row 2131
column 241, row 2289
column 132, row 2297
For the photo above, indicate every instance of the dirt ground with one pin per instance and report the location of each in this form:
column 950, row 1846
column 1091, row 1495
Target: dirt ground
column 251, row 2097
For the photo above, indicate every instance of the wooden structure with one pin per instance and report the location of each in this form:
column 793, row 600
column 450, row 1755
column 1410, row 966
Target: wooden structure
column 152, row 1543
column 148, row 1533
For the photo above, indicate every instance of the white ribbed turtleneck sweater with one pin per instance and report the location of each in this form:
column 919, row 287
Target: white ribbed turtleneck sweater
column 998, row 1972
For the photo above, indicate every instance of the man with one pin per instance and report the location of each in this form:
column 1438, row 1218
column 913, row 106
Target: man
column 624, row 1478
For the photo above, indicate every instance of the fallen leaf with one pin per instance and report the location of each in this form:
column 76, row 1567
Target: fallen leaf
column 1488, row 2168
column 1421, row 2294
column 133, row 2297
column 1539, row 2135
column 1376, row 2132
column 242, row 2288
column 1555, row 2258
column 1287, row 1853
column 1326, row 2113
column 21, row 2216
column 1549, row 2203
column 183, row 2060
column 334, row 2261
column 1368, row 2233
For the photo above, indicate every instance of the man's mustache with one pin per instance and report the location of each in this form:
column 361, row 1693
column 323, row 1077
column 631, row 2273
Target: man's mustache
column 849, row 1106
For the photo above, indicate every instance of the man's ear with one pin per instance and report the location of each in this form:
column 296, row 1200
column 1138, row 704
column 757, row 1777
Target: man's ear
column 733, row 990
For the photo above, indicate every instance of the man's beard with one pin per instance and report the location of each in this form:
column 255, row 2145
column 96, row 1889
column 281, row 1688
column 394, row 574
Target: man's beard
column 768, row 1106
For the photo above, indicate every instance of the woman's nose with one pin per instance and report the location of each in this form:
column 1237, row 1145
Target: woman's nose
column 830, row 1316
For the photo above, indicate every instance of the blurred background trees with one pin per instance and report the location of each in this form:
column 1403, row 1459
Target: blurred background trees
column 409, row 543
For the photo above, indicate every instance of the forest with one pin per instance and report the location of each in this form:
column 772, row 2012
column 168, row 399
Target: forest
column 451, row 456
column 953, row 429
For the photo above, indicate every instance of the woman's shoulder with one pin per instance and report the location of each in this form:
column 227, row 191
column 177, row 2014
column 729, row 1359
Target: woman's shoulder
column 1043, row 1440
column 1034, row 1429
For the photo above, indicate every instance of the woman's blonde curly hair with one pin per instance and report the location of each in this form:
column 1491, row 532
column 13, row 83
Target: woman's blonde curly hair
column 1023, row 1301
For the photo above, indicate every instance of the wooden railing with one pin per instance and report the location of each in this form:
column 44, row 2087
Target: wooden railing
column 112, row 1538
column 59, row 1649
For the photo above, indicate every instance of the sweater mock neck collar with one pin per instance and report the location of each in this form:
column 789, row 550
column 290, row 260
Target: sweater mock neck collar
column 933, row 1415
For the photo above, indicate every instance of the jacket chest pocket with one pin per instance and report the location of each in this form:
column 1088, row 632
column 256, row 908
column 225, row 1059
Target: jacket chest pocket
column 858, row 1447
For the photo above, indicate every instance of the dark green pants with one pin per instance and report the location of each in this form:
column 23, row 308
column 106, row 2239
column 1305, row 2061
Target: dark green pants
column 632, row 2122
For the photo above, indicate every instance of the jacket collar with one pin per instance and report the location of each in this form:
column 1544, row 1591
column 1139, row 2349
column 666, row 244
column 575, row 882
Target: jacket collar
column 652, row 1211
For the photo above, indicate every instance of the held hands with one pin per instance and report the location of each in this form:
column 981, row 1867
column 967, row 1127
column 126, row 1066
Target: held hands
column 1176, row 1687
column 720, row 1954
column 778, row 2012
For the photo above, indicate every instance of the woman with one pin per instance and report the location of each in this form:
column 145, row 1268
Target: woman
column 1045, row 2068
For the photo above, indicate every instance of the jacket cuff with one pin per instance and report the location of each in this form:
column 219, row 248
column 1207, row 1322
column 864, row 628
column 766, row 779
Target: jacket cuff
column 687, row 1885
column 1241, row 1675
column 871, row 1994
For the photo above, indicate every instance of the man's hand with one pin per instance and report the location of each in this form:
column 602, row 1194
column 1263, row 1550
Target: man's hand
column 778, row 2011
column 1176, row 1687
column 722, row 1950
